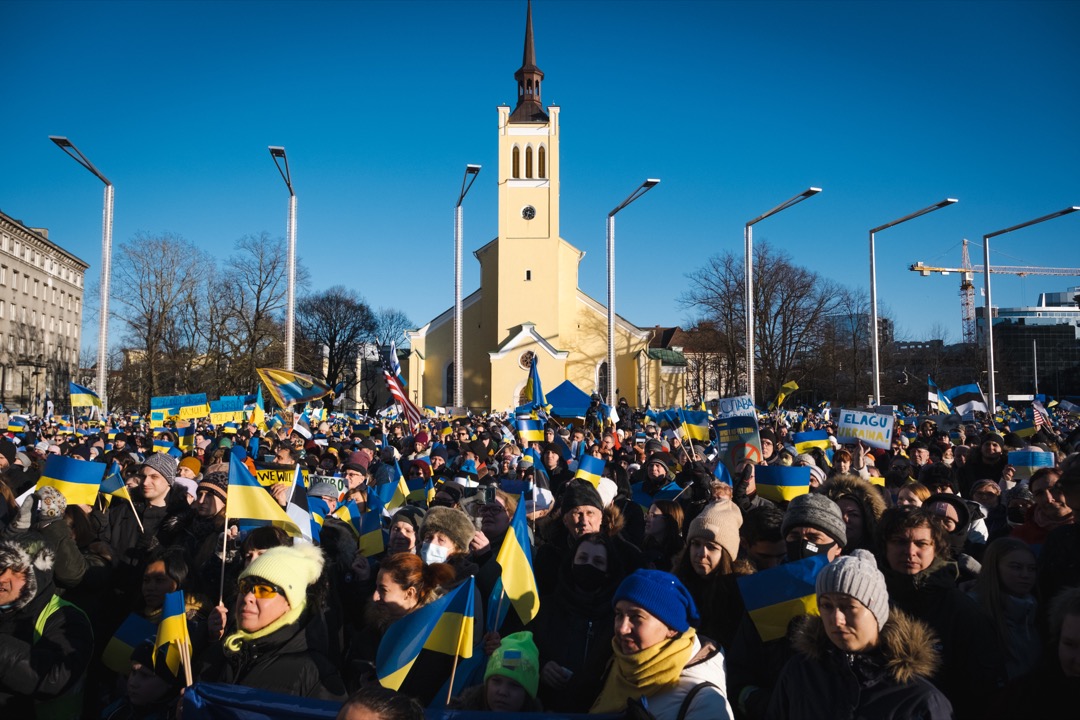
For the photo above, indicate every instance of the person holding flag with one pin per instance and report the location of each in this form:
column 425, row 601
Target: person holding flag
column 266, row 644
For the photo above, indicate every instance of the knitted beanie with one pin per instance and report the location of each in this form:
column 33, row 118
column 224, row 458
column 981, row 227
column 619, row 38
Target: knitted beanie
column 816, row 511
column 662, row 595
column 518, row 659
column 857, row 575
column 580, row 493
column 216, row 482
column 191, row 463
column 292, row 568
column 719, row 522
column 164, row 464
column 452, row 523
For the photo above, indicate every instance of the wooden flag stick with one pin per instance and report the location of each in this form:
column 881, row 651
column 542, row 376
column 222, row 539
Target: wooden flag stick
column 453, row 670
column 224, row 552
column 185, row 659
column 135, row 512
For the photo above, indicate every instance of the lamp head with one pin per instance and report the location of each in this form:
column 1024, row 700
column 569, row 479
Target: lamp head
column 277, row 152
column 651, row 182
column 472, row 169
column 62, row 142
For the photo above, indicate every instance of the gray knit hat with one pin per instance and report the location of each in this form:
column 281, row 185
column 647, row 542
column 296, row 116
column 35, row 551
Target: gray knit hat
column 857, row 575
column 164, row 464
column 816, row 511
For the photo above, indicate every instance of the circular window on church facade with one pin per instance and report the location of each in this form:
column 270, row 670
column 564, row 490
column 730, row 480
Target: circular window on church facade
column 526, row 359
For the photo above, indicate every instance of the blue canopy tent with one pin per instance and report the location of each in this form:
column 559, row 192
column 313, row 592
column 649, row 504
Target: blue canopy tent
column 568, row 401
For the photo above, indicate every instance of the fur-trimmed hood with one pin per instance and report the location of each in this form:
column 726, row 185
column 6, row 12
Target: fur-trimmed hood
column 853, row 486
column 28, row 553
column 906, row 644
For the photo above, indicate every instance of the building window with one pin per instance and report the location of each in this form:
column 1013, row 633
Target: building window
column 3, row 274
column 26, row 284
column 528, row 277
column 36, row 284
column 528, row 162
column 23, row 314
column 515, row 162
column 541, row 162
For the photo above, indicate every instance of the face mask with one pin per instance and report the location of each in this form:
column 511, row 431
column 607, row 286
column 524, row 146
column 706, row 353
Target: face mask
column 802, row 549
column 1015, row 515
column 947, row 462
column 588, row 577
column 432, row 554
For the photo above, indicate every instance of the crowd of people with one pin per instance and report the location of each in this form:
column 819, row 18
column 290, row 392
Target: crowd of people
column 949, row 580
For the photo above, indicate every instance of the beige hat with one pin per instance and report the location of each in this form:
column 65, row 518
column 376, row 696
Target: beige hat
column 719, row 522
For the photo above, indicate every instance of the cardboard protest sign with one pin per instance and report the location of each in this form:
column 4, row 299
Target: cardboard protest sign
column 737, row 439
column 741, row 406
column 1027, row 462
column 872, row 428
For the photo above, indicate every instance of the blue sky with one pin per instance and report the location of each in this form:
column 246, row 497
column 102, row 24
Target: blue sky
column 736, row 106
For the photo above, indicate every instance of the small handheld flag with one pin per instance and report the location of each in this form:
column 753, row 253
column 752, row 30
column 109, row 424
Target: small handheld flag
column 78, row 480
column 172, row 635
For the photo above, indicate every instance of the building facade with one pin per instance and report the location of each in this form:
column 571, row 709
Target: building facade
column 529, row 304
column 41, row 294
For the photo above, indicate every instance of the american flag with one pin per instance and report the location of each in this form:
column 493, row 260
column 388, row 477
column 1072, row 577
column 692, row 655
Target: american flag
column 412, row 415
column 1039, row 415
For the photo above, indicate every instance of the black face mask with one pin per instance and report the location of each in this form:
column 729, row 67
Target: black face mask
column 802, row 549
column 1015, row 515
column 588, row 577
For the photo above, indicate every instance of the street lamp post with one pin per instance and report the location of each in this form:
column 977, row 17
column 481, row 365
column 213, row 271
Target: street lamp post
column 986, row 286
column 106, row 267
column 471, row 172
column 873, row 288
column 645, row 187
column 748, row 236
column 281, row 161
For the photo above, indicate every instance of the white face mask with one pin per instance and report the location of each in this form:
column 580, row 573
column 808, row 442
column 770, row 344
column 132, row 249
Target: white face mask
column 432, row 554
column 947, row 462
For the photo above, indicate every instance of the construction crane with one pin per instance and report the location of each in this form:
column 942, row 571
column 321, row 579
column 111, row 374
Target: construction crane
column 967, row 287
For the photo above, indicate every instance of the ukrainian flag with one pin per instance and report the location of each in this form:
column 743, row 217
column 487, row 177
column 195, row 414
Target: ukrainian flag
column 695, row 424
column 134, row 631
column 785, row 390
column 158, row 418
column 78, row 480
column 162, row 446
column 229, row 428
column 645, row 500
column 774, row 596
column 803, row 441
column 530, row 430
column 392, row 494
column 17, row 425
column 534, row 391
column 420, row 490
column 114, row 484
column 371, row 533
column 248, row 500
column 590, row 468
column 781, row 484
column 444, row 626
column 1024, row 428
column 172, row 632
column 185, row 437
column 83, row 396
column 518, row 582
column 289, row 388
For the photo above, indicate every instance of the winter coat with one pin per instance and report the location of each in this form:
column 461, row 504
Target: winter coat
column 51, row 668
column 1059, row 562
column 887, row 683
column 753, row 666
column 573, row 629
column 869, row 499
column 972, row 662
column 289, row 660
column 706, row 665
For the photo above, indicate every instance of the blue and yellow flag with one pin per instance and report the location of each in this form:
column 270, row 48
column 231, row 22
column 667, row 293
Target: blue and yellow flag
column 785, row 390
column 591, row 469
column 134, row 631
column 248, row 500
column 695, row 424
column 161, row 445
column 78, row 480
column 18, row 425
column 185, row 437
column 289, row 388
column 645, row 500
column 780, row 483
column 444, row 626
column 530, row 430
column 172, row 632
column 370, row 529
column 517, row 582
column 114, row 484
column 83, row 396
column 534, row 391
column 393, row 494
column 774, row 596
column 803, row 441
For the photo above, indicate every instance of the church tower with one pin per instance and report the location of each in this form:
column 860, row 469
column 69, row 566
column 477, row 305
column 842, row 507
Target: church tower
column 532, row 271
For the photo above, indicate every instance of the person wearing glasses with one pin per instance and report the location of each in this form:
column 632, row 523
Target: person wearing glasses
column 265, row 643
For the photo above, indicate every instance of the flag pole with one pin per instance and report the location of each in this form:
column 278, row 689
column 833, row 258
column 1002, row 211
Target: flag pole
column 457, row 656
column 185, row 658
column 224, row 551
column 135, row 512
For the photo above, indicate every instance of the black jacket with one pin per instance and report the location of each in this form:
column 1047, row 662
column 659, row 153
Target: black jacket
column 887, row 683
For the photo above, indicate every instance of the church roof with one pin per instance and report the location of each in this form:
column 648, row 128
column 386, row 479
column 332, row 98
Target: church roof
column 529, row 108
column 670, row 358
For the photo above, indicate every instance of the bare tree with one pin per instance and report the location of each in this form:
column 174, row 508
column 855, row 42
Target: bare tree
column 154, row 277
column 338, row 320
column 390, row 325
column 715, row 295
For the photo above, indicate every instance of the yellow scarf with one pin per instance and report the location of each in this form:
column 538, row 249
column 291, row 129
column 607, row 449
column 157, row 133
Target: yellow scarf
column 645, row 672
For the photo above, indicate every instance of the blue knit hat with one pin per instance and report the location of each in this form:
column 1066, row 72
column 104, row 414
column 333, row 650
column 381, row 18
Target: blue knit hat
column 662, row 595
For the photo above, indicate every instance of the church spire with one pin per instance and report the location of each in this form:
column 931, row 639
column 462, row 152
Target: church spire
column 529, row 107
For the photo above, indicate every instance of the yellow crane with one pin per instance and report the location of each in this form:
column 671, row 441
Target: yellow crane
column 967, row 287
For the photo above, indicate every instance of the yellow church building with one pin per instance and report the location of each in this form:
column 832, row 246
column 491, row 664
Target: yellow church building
column 529, row 304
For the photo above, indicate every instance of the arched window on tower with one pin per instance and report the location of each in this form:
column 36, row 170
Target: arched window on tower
column 528, row 162
column 602, row 381
column 541, row 162
column 515, row 162
column 448, row 391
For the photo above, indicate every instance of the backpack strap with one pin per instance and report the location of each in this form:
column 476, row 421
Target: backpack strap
column 685, row 707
